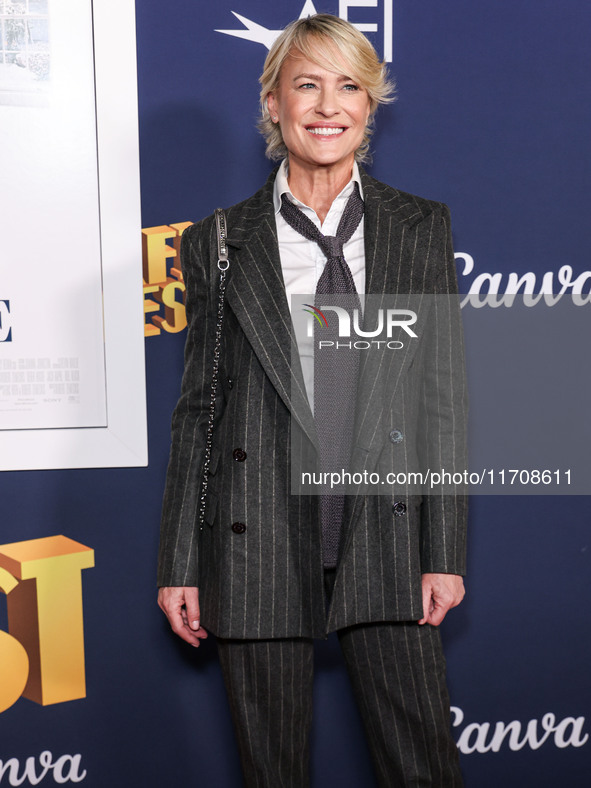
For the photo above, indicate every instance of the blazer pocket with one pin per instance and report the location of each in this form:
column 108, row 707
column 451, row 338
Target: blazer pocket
column 214, row 460
column 211, row 507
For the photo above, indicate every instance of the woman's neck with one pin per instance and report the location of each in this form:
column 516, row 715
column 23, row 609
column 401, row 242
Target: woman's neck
column 318, row 186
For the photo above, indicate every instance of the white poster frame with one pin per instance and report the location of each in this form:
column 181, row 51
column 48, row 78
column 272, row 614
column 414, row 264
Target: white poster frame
column 123, row 441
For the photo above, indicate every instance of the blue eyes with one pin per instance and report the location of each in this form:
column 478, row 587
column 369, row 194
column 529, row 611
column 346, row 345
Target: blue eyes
column 350, row 86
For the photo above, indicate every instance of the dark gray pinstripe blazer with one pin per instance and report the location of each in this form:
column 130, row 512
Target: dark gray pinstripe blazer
column 267, row 582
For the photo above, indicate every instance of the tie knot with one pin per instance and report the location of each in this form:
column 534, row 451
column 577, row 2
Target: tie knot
column 331, row 246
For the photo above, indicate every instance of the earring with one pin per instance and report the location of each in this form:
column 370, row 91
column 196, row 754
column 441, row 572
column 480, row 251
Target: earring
column 274, row 118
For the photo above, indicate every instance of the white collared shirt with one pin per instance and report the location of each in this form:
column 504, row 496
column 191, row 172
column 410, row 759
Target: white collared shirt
column 302, row 260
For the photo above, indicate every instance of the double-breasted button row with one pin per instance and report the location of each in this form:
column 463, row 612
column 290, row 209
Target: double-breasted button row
column 398, row 507
column 239, row 455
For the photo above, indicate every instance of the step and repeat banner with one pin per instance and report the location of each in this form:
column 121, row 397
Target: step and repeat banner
column 492, row 117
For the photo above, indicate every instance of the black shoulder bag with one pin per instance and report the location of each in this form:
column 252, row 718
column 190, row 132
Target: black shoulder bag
column 223, row 266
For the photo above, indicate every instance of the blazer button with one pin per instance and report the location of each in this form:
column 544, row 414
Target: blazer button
column 396, row 436
column 399, row 508
column 238, row 528
column 239, row 455
column 230, row 383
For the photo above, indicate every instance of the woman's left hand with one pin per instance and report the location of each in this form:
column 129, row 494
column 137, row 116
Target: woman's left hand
column 441, row 592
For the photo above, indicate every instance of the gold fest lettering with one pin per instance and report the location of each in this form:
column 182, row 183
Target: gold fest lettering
column 164, row 289
column 42, row 654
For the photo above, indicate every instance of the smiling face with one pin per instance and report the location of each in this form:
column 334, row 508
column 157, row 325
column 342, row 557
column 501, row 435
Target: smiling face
column 323, row 114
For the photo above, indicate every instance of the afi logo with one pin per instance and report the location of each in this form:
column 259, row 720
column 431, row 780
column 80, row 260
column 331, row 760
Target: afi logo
column 252, row 31
column 392, row 318
column 42, row 654
column 5, row 325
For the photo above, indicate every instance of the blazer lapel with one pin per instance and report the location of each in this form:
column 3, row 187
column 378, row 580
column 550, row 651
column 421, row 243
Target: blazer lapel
column 387, row 218
column 388, row 215
column 256, row 293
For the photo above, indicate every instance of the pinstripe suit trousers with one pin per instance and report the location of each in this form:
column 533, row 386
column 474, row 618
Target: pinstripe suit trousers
column 397, row 672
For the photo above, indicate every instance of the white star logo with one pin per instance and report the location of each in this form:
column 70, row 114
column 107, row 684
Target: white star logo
column 260, row 34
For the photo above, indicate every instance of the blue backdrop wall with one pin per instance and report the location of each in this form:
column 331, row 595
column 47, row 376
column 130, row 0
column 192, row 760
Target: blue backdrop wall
column 493, row 118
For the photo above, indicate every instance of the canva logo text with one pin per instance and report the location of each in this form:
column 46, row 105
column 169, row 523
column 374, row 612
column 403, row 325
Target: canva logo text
column 65, row 769
column 550, row 287
column 484, row 737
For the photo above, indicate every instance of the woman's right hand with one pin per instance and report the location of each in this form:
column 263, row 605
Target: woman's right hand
column 181, row 606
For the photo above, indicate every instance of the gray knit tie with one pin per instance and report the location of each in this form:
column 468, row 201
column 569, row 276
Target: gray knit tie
column 335, row 370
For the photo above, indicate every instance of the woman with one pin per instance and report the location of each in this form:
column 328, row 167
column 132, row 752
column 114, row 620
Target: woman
column 271, row 570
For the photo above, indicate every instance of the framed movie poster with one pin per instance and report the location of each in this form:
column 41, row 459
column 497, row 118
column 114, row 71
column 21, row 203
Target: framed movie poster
column 72, row 390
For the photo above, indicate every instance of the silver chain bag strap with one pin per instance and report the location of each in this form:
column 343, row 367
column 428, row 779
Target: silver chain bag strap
column 223, row 266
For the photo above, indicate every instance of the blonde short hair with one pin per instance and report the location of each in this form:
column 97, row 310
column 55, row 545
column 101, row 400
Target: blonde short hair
column 336, row 40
